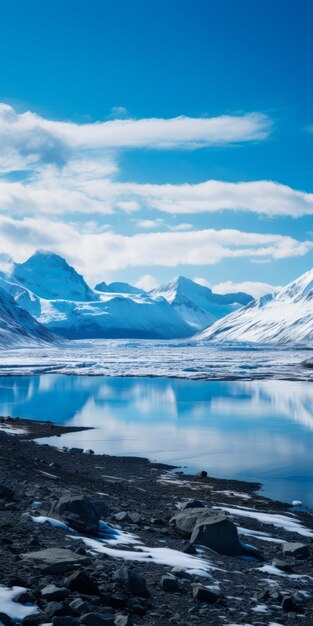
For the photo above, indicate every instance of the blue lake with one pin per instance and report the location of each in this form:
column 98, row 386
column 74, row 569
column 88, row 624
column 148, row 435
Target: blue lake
column 250, row 430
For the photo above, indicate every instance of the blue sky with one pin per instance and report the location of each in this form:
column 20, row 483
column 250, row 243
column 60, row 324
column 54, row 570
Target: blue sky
column 144, row 196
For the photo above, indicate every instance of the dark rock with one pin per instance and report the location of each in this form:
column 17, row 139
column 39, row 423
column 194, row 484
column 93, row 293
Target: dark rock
column 78, row 512
column 186, row 519
column 97, row 619
column 51, row 592
column 65, row 621
column 202, row 594
column 6, row 620
column 128, row 516
column 55, row 560
column 288, row 604
column 129, row 579
column 189, row 549
column 296, row 549
column 55, row 608
column 79, row 606
column 217, row 532
column 140, row 606
column 79, row 581
column 169, row 583
column 101, row 508
column 123, row 620
column 25, row 597
column 202, row 474
column 284, row 566
column 33, row 620
column 192, row 504
column 118, row 600
column 5, row 492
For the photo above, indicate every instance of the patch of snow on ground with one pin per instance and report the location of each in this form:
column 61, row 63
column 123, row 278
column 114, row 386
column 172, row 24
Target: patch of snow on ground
column 258, row 534
column 42, row 519
column 10, row 430
column 161, row 556
column 110, row 536
column 289, row 523
column 13, row 609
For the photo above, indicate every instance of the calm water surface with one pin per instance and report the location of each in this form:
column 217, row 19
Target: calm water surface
column 252, row 430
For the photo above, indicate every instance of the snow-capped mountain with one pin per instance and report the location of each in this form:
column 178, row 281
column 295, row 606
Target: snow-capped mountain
column 197, row 305
column 283, row 317
column 49, row 276
column 17, row 327
column 118, row 288
column 112, row 315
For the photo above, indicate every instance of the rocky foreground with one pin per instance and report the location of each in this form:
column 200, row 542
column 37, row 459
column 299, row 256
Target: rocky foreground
column 113, row 541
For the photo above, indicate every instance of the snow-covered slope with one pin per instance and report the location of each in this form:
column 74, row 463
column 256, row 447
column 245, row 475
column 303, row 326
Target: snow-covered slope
column 198, row 305
column 113, row 315
column 17, row 327
column 118, row 288
column 285, row 317
column 51, row 277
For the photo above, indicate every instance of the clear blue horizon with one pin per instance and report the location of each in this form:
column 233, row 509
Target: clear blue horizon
column 124, row 199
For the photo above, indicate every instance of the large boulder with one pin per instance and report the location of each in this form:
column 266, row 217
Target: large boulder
column 55, row 560
column 186, row 519
column 78, row 512
column 217, row 532
column 210, row 528
column 296, row 549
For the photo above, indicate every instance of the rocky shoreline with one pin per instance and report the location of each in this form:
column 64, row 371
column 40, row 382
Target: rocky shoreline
column 140, row 564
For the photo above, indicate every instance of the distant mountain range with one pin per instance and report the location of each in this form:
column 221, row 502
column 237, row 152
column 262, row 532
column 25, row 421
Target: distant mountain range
column 285, row 317
column 46, row 296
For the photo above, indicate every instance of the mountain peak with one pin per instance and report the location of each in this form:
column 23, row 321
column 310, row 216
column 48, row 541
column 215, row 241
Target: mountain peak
column 49, row 276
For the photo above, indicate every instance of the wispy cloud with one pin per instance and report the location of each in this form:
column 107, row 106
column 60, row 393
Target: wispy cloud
column 66, row 192
column 50, row 140
column 92, row 251
column 147, row 282
column 254, row 288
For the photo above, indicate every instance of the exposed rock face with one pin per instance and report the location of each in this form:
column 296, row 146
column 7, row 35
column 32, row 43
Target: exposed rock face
column 296, row 549
column 78, row 512
column 210, row 528
column 55, row 560
column 218, row 533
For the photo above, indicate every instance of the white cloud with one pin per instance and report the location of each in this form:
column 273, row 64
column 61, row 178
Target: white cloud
column 150, row 224
column 50, row 140
column 254, row 288
column 183, row 226
column 73, row 168
column 202, row 281
column 147, row 282
column 96, row 252
column 66, row 191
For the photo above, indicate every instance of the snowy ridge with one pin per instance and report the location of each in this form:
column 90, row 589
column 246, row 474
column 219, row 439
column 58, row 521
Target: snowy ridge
column 17, row 327
column 198, row 305
column 284, row 317
column 118, row 288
